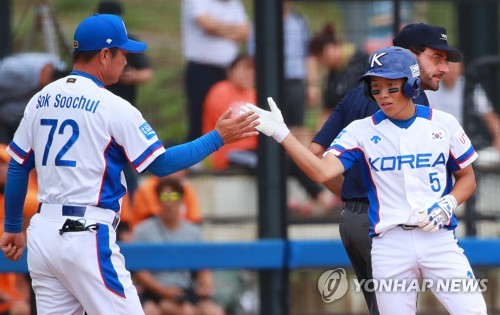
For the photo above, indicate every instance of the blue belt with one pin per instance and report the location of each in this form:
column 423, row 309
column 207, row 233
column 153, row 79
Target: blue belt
column 70, row 211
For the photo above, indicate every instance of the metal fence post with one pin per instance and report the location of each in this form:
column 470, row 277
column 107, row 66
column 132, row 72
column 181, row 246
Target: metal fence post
column 271, row 170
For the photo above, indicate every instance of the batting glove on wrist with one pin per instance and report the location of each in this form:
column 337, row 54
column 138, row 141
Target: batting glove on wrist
column 271, row 122
column 438, row 215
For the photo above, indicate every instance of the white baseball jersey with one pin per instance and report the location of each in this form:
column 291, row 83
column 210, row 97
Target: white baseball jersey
column 82, row 136
column 407, row 165
column 203, row 47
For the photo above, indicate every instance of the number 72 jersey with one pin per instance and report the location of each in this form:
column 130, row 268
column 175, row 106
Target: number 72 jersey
column 406, row 165
column 79, row 136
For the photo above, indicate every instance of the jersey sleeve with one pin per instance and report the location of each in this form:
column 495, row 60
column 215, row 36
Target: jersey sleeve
column 462, row 152
column 134, row 134
column 21, row 145
column 346, row 147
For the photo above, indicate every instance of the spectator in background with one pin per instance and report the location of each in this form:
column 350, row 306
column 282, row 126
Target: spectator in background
column 211, row 32
column 344, row 62
column 174, row 292
column 379, row 22
column 147, row 204
column 450, row 98
column 301, row 86
column 234, row 92
column 137, row 72
column 302, row 83
column 21, row 76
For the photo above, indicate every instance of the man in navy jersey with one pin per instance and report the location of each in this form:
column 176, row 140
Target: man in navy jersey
column 430, row 46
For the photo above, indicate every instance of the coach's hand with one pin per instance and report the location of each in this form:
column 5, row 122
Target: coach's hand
column 438, row 215
column 12, row 245
column 271, row 122
column 232, row 129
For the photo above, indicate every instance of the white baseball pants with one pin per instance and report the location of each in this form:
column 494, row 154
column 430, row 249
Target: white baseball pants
column 78, row 271
column 415, row 254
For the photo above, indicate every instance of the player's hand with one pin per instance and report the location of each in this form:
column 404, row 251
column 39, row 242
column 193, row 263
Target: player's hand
column 271, row 122
column 438, row 215
column 12, row 245
column 232, row 129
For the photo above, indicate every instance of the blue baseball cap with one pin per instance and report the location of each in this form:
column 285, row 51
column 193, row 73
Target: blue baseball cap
column 104, row 31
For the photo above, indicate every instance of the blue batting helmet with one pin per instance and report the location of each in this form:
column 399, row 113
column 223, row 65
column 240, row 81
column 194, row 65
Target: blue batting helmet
column 393, row 63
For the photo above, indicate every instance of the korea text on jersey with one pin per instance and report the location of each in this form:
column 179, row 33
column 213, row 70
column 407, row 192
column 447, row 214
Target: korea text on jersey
column 391, row 163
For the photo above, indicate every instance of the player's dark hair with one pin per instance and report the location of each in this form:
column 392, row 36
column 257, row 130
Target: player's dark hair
column 320, row 40
column 86, row 56
column 241, row 57
column 173, row 183
column 417, row 50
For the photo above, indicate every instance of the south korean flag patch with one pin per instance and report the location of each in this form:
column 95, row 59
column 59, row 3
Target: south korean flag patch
column 147, row 130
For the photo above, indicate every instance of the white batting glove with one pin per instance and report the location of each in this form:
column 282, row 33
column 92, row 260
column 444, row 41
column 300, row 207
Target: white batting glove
column 438, row 215
column 271, row 122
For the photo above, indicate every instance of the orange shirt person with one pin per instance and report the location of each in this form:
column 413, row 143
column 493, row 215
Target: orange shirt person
column 235, row 91
column 145, row 201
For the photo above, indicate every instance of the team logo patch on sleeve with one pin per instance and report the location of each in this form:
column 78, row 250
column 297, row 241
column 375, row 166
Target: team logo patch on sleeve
column 463, row 139
column 147, row 130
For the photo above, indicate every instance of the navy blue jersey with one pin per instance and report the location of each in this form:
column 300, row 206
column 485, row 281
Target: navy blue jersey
column 355, row 105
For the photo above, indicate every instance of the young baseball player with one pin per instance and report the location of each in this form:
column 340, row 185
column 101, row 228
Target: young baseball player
column 430, row 46
column 416, row 165
column 79, row 136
